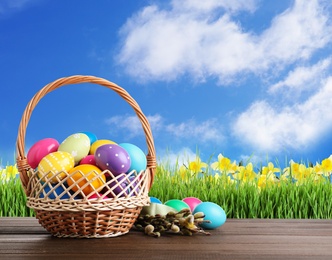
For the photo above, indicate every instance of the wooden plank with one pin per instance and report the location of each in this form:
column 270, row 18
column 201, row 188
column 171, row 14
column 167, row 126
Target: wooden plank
column 237, row 239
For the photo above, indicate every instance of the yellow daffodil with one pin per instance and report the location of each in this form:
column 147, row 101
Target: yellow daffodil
column 245, row 173
column 269, row 169
column 318, row 169
column 224, row 165
column 326, row 166
column 265, row 180
column 197, row 165
column 303, row 174
column 9, row 172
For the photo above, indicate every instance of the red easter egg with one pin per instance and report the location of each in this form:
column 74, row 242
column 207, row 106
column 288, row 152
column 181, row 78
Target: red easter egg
column 40, row 149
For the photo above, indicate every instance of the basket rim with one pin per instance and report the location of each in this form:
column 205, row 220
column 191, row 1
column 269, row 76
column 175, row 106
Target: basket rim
column 21, row 160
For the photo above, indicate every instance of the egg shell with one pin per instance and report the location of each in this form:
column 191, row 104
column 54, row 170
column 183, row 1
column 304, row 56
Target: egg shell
column 55, row 194
column 55, row 165
column 89, row 159
column 112, row 157
column 89, row 172
column 40, row 149
column 78, row 145
column 93, row 138
column 212, row 212
column 192, row 202
column 137, row 157
column 98, row 143
column 155, row 200
column 177, row 204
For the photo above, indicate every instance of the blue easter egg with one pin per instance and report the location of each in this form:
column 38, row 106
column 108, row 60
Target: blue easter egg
column 55, row 194
column 213, row 213
column 137, row 157
column 91, row 136
column 155, row 200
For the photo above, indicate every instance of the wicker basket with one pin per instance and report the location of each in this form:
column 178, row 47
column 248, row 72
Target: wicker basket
column 66, row 215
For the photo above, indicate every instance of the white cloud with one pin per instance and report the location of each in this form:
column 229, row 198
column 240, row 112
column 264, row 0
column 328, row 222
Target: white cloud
column 210, row 5
column 296, row 33
column 188, row 38
column 176, row 158
column 131, row 124
column 8, row 6
column 206, row 131
column 302, row 78
column 270, row 129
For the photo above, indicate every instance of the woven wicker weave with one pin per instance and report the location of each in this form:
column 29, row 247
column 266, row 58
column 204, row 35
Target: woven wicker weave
column 66, row 214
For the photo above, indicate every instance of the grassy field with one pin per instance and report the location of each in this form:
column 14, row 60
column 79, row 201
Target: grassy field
column 243, row 191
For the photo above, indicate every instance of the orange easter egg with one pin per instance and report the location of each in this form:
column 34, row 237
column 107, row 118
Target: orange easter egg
column 89, row 172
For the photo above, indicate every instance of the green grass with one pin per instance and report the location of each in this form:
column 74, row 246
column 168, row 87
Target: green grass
column 13, row 199
column 239, row 199
column 284, row 200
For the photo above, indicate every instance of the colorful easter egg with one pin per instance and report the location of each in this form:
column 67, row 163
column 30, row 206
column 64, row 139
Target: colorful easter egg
column 112, row 157
column 98, row 143
column 93, row 138
column 137, row 157
column 55, row 165
column 155, row 200
column 177, row 204
column 121, row 186
column 40, row 149
column 192, row 202
column 97, row 196
column 89, row 159
column 213, row 212
column 59, row 192
column 80, row 175
column 78, row 145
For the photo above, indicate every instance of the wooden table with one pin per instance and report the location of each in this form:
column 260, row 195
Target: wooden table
column 24, row 238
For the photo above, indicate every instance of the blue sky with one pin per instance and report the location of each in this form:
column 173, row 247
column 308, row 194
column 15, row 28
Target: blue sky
column 242, row 78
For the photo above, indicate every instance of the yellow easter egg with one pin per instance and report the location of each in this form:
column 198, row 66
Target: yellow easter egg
column 98, row 143
column 89, row 172
column 55, row 165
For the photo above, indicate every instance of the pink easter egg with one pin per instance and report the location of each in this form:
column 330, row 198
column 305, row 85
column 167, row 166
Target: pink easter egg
column 89, row 159
column 192, row 202
column 40, row 149
column 97, row 196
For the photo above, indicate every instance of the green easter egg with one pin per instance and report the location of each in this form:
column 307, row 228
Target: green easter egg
column 78, row 145
column 177, row 204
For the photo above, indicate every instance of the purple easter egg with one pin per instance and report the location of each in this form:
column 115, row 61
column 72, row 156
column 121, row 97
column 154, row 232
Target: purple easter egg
column 121, row 185
column 112, row 157
column 117, row 185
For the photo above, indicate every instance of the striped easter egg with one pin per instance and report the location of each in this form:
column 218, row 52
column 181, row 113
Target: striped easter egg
column 53, row 167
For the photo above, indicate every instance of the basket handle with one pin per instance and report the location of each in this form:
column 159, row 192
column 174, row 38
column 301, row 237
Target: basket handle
column 21, row 159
